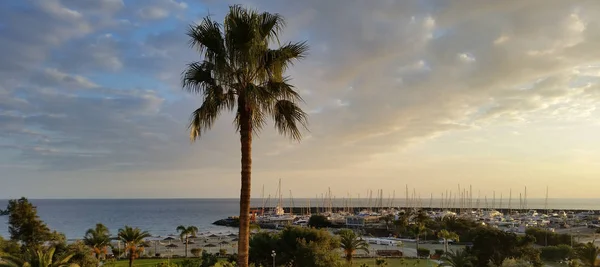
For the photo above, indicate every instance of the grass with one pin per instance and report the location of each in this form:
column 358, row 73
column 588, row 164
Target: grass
column 357, row 262
column 396, row 262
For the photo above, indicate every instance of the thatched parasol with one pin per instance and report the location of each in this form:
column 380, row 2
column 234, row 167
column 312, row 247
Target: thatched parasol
column 172, row 246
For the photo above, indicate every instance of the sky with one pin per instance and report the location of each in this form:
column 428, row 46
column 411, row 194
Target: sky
column 426, row 94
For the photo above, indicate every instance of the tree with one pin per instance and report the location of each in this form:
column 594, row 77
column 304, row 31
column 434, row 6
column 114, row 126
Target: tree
column 493, row 245
column 588, row 254
column 387, row 219
column 132, row 237
column 350, row 243
column 295, row 247
column 444, row 234
column 238, row 72
column 318, row 221
column 420, row 220
column 98, row 239
column 458, row 258
column 25, row 226
column 402, row 223
column 10, row 247
column 185, row 233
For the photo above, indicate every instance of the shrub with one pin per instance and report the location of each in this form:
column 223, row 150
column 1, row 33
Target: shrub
column 196, row 252
column 380, row 262
column 556, row 253
column 423, row 252
column 222, row 252
column 439, row 252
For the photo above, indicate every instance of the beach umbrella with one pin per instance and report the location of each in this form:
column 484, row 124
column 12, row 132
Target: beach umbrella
column 172, row 246
column 213, row 235
column 192, row 237
column 210, row 246
column 224, row 243
column 232, row 235
column 235, row 240
column 191, row 242
column 169, row 239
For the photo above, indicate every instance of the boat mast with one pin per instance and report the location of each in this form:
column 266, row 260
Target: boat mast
column 510, row 201
column 525, row 198
column 546, row 202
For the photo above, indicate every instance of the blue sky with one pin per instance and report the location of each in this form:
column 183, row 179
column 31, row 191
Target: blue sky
column 418, row 93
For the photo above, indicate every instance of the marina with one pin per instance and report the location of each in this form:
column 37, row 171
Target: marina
column 511, row 215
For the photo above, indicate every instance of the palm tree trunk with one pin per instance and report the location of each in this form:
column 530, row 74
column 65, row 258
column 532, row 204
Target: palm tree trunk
column 417, row 244
column 186, row 247
column 446, row 245
column 130, row 260
column 246, row 143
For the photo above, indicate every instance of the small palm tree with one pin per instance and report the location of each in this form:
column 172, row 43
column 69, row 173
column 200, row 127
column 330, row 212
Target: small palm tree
column 98, row 239
column 446, row 235
column 419, row 220
column 588, row 254
column 185, row 233
column 132, row 237
column 350, row 243
column 238, row 72
column 41, row 258
column 458, row 258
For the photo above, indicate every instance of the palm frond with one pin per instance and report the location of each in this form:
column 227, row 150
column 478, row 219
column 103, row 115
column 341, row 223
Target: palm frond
column 204, row 117
column 282, row 90
column 277, row 61
column 288, row 117
column 207, row 38
column 270, row 26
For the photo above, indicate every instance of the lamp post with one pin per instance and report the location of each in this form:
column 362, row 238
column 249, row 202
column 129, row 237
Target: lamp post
column 273, row 254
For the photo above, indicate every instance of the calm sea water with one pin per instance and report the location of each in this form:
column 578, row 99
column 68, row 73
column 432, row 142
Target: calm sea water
column 161, row 216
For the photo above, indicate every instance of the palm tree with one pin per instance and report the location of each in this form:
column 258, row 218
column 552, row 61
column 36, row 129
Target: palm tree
column 419, row 219
column 40, row 258
column 350, row 243
column 132, row 237
column 185, row 233
column 588, row 254
column 458, row 258
column 387, row 219
column 445, row 234
column 238, row 72
column 98, row 239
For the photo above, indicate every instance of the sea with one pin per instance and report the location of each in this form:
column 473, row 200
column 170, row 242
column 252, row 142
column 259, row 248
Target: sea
column 161, row 217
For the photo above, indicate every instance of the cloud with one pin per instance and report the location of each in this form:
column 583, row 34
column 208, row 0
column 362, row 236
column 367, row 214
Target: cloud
column 160, row 9
column 381, row 77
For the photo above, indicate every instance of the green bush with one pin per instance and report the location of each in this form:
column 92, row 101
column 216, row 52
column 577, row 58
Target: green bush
column 423, row 252
column 439, row 252
column 556, row 253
